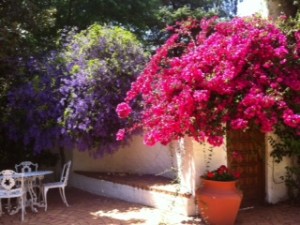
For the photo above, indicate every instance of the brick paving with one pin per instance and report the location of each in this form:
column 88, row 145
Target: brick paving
column 88, row 209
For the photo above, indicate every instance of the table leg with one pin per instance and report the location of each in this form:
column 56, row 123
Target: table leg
column 28, row 200
column 33, row 198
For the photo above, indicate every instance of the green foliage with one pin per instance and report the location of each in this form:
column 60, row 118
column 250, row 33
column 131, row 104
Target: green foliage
column 290, row 25
column 25, row 26
column 136, row 15
column 169, row 16
column 181, row 10
column 292, row 180
column 96, row 31
column 288, row 146
column 287, row 7
column 17, row 154
column 172, row 11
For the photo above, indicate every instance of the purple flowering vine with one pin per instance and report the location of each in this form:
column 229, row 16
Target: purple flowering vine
column 100, row 63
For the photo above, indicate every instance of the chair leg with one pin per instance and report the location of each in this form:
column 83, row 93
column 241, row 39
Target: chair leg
column 0, row 207
column 45, row 197
column 8, row 204
column 22, row 202
column 63, row 195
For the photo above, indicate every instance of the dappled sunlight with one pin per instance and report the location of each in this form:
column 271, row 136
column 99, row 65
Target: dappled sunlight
column 156, row 191
column 143, row 215
column 131, row 214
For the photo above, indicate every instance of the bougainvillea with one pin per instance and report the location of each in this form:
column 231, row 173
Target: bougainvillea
column 101, row 63
column 210, row 76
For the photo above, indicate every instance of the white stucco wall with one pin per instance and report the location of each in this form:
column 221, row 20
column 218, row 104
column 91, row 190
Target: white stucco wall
column 134, row 158
column 196, row 162
column 276, row 189
column 188, row 161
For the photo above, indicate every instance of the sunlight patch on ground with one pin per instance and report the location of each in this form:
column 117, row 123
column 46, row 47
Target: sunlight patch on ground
column 142, row 215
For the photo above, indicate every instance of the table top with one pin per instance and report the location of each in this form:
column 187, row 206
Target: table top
column 37, row 173
column 31, row 174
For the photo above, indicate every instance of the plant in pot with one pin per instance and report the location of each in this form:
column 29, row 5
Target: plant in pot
column 219, row 199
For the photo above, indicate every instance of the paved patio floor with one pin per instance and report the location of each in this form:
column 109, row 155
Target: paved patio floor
column 88, row 209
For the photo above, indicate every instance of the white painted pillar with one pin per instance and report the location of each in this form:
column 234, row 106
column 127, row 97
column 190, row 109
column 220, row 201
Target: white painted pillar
column 191, row 160
column 183, row 164
column 276, row 190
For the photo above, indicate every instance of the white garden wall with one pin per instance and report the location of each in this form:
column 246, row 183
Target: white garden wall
column 134, row 158
column 186, row 159
column 276, row 190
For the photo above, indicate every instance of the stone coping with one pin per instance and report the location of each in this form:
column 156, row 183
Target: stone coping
column 143, row 181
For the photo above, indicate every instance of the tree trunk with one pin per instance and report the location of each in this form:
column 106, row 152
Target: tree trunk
column 279, row 7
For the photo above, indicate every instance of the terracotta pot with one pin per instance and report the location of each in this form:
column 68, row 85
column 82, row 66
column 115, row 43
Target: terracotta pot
column 219, row 202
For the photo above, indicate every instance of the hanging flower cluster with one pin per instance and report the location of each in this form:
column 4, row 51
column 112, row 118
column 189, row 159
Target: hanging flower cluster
column 210, row 76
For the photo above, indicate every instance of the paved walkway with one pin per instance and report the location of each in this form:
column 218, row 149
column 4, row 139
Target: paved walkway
column 88, row 209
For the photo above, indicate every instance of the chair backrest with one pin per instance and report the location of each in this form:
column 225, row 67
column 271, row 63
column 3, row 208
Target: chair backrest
column 26, row 166
column 65, row 173
column 11, row 183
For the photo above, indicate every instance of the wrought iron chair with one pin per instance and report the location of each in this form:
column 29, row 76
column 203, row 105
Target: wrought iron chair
column 12, row 186
column 28, row 166
column 60, row 184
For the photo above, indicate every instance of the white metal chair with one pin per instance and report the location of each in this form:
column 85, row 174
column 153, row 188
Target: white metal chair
column 60, row 185
column 12, row 186
column 28, row 166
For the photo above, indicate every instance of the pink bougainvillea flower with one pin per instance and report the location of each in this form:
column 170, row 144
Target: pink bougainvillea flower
column 149, row 139
column 239, row 124
column 201, row 95
column 215, row 140
column 291, row 119
column 123, row 110
column 121, row 135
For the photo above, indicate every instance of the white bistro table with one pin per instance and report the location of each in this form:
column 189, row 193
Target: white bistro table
column 30, row 179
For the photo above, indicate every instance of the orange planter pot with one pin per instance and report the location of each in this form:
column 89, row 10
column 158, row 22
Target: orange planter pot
column 219, row 202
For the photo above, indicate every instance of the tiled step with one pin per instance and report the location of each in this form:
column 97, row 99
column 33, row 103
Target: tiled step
column 156, row 191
